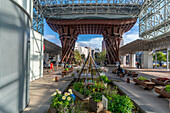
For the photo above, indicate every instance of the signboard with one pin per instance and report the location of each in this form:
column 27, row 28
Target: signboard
column 105, row 102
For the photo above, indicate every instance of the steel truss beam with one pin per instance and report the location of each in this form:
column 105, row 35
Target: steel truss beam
column 154, row 18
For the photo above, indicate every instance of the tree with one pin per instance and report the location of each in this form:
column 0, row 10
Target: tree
column 83, row 56
column 160, row 56
column 77, row 56
column 101, row 57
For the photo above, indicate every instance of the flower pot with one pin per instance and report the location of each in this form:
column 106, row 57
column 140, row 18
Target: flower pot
column 95, row 106
column 158, row 89
column 146, row 83
column 165, row 93
column 157, row 82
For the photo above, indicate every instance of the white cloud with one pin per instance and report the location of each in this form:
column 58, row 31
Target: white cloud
column 49, row 37
column 53, row 38
column 130, row 37
column 93, row 43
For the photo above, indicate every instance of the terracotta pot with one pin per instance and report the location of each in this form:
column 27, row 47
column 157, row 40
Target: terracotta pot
column 128, row 80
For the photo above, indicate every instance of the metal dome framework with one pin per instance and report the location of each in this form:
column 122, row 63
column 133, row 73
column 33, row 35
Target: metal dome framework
column 42, row 8
column 69, row 18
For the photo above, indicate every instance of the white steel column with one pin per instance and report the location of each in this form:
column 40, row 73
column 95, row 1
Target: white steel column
column 167, row 58
column 155, row 59
column 147, row 59
column 132, row 60
column 46, row 57
column 124, row 60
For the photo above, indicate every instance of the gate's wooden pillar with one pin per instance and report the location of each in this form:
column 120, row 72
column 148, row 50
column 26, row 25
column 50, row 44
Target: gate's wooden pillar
column 68, row 37
column 112, row 41
column 68, row 44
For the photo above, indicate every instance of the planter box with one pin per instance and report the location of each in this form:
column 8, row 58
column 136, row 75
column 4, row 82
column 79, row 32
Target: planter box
column 134, row 75
column 167, row 82
column 165, row 93
column 95, row 106
column 82, row 97
column 146, row 83
column 161, row 91
column 52, row 110
column 157, row 89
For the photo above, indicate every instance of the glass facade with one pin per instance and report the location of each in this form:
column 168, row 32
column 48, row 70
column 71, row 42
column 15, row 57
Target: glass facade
column 154, row 18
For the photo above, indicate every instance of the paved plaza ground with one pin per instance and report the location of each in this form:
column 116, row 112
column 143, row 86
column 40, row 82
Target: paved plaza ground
column 145, row 99
column 41, row 90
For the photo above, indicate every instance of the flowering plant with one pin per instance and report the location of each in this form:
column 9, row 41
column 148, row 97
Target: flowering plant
column 167, row 88
column 162, row 79
column 59, row 99
column 142, row 78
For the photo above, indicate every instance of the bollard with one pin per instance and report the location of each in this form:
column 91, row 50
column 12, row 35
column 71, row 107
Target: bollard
column 56, row 78
column 62, row 75
column 128, row 80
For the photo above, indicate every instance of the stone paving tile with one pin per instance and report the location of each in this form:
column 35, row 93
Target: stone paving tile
column 41, row 90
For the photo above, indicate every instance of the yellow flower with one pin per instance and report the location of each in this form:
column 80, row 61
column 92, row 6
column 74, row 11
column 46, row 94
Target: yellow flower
column 68, row 98
column 59, row 92
column 63, row 97
column 54, row 94
column 70, row 90
column 65, row 94
column 93, row 89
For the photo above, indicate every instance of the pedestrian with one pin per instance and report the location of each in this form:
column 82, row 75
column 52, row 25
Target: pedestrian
column 62, row 65
column 119, row 70
column 51, row 67
column 48, row 65
column 138, row 65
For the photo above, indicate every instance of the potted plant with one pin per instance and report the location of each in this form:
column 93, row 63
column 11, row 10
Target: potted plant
column 144, row 82
column 140, row 80
column 95, row 102
column 161, row 81
column 60, row 100
column 79, row 90
column 163, row 91
column 120, row 104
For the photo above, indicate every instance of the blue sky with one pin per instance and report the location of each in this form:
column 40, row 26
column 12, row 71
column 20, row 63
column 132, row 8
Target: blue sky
column 94, row 41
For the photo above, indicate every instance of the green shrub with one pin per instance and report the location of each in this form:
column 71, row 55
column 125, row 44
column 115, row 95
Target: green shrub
column 105, row 79
column 97, row 96
column 66, row 69
column 120, row 104
column 167, row 88
column 142, row 78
